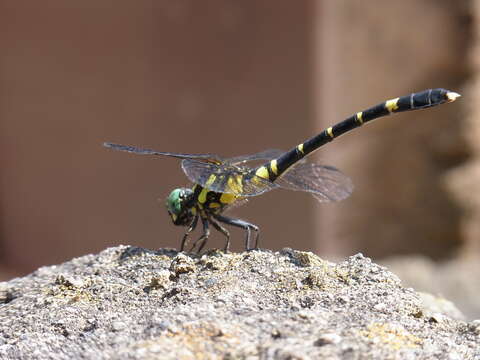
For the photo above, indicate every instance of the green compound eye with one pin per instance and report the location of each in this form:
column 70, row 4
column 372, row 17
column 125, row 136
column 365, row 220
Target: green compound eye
column 174, row 201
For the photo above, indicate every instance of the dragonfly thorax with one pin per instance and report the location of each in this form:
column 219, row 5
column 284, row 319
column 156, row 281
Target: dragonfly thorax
column 180, row 206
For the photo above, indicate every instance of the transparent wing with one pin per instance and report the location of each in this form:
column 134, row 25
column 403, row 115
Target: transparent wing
column 236, row 204
column 226, row 178
column 263, row 155
column 325, row 183
column 253, row 185
column 141, row 151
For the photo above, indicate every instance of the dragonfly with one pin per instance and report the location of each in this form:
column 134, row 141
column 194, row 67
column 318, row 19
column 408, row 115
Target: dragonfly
column 221, row 183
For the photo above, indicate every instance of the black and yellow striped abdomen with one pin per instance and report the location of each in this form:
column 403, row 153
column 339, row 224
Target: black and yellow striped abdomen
column 415, row 101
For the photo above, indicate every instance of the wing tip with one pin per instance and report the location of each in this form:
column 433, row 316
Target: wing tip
column 108, row 144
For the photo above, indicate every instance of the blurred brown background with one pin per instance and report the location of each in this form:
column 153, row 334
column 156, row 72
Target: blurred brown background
column 234, row 77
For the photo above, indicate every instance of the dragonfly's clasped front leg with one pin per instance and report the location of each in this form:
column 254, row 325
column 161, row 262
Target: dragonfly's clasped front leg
column 202, row 239
column 190, row 228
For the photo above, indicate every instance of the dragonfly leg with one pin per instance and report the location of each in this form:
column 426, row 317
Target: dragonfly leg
column 190, row 228
column 202, row 239
column 224, row 231
column 244, row 225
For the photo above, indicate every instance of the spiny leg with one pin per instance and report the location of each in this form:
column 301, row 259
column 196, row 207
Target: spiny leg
column 192, row 227
column 203, row 239
column 244, row 225
column 224, row 231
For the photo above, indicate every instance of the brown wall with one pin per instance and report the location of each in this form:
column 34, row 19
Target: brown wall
column 231, row 78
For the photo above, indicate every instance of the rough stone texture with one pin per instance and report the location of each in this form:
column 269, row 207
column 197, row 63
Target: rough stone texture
column 132, row 303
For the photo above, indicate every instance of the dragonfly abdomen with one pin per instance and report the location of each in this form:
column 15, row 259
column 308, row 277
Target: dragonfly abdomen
column 420, row 100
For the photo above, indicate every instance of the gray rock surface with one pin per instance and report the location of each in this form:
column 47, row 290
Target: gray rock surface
column 132, row 303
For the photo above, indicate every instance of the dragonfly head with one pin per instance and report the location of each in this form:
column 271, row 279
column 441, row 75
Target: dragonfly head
column 180, row 206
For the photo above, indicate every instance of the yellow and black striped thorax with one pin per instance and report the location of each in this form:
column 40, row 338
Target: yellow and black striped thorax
column 211, row 201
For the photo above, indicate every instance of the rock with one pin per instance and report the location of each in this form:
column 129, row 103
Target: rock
column 327, row 339
column 134, row 303
column 182, row 264
column 118, row 325
column 475, row 324
column 161, row 280
column 5, row 294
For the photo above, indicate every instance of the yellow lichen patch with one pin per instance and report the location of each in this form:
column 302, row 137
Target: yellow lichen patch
column 182, row 264
column 300, row 148
column 321, row 277
column 194, row 341
column 70, row 291
column 394, row 336
column 216, row 263
column 159, row 281
column 73, row 295
column 391, row 105
column 316, row 279
column 217, row 260
column 343, row 274
column 307, row 258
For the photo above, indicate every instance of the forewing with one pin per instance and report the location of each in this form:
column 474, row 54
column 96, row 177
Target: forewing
column 226, row 178
column 325, row 183
column 263, row 155
column 200, row 172
column 136, row 150
column 236, row 204
column 214, row 173
column 254, row 185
